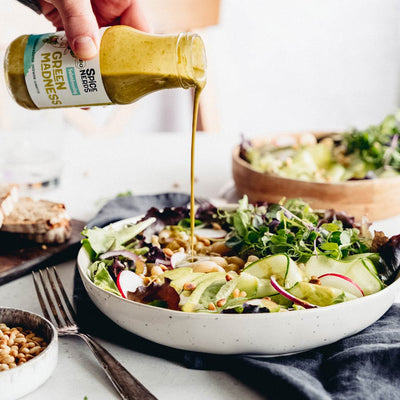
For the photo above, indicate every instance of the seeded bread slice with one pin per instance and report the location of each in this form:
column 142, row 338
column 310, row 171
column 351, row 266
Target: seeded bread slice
column 8, row 198
column 35, row 217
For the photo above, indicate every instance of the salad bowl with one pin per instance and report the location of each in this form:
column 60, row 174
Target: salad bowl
column 269, row 334
column 376, row 199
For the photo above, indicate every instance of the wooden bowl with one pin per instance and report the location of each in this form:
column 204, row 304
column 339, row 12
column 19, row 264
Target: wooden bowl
column 374, row 198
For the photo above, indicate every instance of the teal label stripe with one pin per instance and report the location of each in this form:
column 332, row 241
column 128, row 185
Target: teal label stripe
column 72, row 81
column 33, row 45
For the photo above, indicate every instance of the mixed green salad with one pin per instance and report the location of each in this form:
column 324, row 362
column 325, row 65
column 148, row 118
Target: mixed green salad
column 357, row 154
column 253, row 258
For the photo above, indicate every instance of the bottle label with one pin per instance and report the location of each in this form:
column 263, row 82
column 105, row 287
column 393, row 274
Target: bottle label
column 55, row 77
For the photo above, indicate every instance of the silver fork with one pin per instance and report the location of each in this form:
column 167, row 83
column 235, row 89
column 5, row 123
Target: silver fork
column 127, row 386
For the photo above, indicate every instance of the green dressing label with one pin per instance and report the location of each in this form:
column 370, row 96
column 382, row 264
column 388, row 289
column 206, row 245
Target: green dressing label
column 55, row 77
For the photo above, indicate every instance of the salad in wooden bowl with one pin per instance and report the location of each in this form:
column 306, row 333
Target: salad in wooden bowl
column 356, row 171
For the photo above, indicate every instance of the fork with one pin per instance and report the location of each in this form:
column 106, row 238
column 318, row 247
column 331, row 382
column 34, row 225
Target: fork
column 128, row 387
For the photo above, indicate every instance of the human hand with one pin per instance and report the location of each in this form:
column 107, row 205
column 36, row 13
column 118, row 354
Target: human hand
column 81, row 20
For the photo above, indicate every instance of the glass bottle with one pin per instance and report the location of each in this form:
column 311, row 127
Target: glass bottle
column 42, row 72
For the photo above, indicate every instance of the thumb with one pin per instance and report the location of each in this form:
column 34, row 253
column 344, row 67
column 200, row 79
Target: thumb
column 80, row 27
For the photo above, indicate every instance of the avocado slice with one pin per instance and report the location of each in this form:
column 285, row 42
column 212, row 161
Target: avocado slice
column 177, row 273
column 244, row 282
column 320, row 295
column 204, row 292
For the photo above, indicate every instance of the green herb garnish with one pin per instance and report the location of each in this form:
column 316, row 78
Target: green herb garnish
column 291, row 228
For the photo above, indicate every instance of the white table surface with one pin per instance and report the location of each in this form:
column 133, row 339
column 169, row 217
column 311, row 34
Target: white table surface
column 96, row 169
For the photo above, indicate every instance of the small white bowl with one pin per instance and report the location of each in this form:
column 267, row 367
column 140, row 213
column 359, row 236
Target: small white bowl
column 26, row 378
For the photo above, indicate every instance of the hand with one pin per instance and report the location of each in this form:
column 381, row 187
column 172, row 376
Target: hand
column 81, row 20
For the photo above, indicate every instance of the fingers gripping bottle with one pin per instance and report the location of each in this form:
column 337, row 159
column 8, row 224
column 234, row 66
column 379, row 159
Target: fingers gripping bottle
column 42, row 71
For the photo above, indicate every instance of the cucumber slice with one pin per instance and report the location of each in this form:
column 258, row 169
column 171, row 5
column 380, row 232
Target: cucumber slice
column 286, row 271
column 362, row 275
column 248, row 283
column 360, row 270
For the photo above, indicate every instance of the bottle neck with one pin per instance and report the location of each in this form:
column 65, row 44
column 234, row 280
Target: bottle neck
column 191, row 60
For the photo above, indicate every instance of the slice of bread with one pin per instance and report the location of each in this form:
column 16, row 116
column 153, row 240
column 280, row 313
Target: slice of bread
column 8, row 198
column 58, row 235
column 35, row 217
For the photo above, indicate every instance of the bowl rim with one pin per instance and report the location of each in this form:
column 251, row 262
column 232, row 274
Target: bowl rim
column 50, row 344
column 83, row 272
column 260, row 139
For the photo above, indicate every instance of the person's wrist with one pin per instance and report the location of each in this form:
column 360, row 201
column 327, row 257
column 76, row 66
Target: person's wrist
column 32, row 4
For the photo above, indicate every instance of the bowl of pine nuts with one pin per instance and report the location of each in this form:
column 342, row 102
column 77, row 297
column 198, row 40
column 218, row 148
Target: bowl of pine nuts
column 28, row 352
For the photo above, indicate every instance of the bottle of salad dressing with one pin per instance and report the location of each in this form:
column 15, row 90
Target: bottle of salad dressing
column 42, row 72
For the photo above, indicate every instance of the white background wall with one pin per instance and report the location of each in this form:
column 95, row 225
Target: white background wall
column 308, row 64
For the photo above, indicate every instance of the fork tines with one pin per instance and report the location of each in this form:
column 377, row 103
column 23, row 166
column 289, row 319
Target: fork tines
column 53, row 298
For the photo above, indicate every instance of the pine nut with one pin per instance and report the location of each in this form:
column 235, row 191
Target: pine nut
column 19, row 340
column 242, row 294
column 4, row 352
column 189, row 286
column 7, row 359
column 156, row 270
column 17, row 346
column 168, row 252
column 212, row 307
column 35, row 350
column 221, row 302
column 235, row 293
column 216, row 226
column 314, row 279
column 204, row 240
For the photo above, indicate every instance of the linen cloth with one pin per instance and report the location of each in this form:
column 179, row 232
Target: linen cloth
column 365, row 366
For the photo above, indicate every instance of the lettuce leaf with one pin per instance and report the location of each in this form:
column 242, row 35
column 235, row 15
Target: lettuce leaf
column 100, row 240
column 101, row 277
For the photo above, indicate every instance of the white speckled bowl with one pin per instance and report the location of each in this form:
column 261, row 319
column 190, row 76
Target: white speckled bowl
column 262, row 334
column 24, row 379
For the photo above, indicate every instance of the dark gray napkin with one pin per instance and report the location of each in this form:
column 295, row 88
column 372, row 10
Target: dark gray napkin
column 365, row 366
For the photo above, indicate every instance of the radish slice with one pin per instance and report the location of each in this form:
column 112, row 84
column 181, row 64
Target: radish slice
column 341, row 282
column 128, row 281
column 124, row 253
column 176, row 258
column 289, row 296
column 211, row 233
